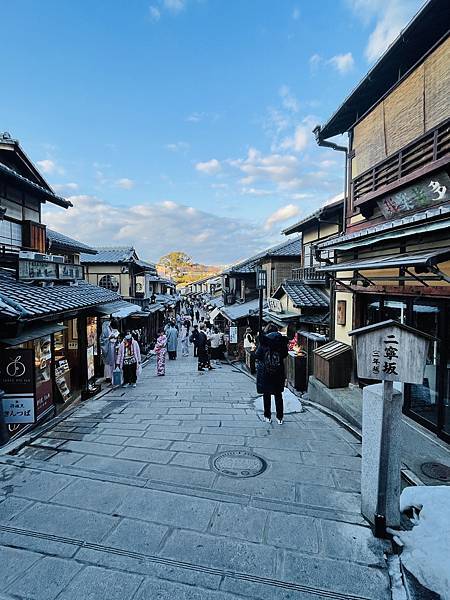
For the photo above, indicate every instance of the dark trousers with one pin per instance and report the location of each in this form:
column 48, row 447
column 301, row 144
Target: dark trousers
column 278, row 405
column 129, row 373
column 172, row 354
column 195, row 350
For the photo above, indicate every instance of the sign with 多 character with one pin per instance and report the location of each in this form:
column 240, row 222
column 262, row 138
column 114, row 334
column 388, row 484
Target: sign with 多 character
column 391, row 351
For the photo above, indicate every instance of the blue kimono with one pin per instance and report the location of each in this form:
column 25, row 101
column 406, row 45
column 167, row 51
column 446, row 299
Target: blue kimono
column 172, row 339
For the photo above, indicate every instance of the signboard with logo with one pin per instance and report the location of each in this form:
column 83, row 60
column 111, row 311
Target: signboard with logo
column 274, row 305
column 18, row 382
column 70, row 272
column 37, row 270
column 431, row 190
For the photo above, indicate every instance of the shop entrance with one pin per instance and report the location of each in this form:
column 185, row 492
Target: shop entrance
column 429, row 402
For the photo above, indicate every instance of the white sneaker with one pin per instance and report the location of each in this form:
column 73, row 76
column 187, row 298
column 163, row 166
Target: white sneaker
column 267, row 420
column 134, row 385
column 280, row 421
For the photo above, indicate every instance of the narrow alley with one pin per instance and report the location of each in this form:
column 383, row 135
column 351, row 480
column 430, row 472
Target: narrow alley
column 178, row 489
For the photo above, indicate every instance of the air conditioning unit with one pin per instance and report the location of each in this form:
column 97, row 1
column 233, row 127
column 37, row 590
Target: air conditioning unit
column 28, row 255
column 57, row 259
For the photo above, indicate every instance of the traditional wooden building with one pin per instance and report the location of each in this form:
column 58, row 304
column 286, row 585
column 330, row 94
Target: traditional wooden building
column 393, row 258
column 48, row 312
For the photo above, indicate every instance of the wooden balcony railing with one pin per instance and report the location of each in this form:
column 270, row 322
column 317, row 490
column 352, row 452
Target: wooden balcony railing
column 423, row 155
column 308, row 275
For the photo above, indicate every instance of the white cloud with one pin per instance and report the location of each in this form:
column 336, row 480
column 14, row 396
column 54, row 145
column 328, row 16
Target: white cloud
column 277, row 168
column 282, row 214
column 174, row 6
column 178, row 146
column 299, row 141
column 209, row 167
column 154, row 14
column 158, row 228
column 342, row 62
column 390, row 18
column 289, row 101
column 65, row 187
column 49, row 167
column 256, row 192
column 296, row 14
column 125, row 183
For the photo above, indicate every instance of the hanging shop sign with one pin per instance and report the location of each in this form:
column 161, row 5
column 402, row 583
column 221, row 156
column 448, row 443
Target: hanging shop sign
column 70, row 272
column 426, row 192
column 274, row 305
column 42, row 371
column 17, row 381
column 233, row 335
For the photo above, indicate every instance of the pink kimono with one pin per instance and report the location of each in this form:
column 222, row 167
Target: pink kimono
column 160, row 351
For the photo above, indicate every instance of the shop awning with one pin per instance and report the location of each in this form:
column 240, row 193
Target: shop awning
column 424, row 259
column 119, row 309
column 214, row 313
column 280, row 319
column 33, row 333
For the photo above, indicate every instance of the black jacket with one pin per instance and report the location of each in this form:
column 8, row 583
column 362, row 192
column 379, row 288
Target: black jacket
column 271, row 381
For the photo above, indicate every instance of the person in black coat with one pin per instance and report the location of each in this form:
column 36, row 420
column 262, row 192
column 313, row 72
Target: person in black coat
column 270, row 373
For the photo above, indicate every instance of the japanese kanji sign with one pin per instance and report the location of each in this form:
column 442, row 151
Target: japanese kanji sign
column 390, row 351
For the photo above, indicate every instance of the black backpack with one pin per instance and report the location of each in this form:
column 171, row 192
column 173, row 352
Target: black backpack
column 272, row 361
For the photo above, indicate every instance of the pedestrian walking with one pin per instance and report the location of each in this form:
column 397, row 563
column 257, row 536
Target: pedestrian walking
column 172, row 341
column 160, row 351
column 184, row 337
column 216, row 341
column 203, row 349
column 270, row 374
column 193, row 338
column 249, row 339
column 129, row 360
column 197, row 315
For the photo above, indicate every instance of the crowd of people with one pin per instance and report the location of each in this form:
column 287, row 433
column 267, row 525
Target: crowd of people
column 191, row 327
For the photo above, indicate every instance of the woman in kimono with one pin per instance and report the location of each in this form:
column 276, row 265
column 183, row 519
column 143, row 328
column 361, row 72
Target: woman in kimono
column 185, row 339
column 108, row 341
column 129, row 360
column 172, row 341
column 160, row 351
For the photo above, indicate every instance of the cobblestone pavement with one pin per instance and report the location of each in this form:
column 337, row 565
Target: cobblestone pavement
column 119, row 501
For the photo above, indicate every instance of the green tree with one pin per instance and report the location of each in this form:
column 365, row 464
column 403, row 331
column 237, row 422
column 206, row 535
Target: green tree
column 175, row 264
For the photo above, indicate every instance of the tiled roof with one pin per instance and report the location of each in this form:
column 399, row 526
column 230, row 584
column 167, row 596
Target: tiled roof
column 239, row 311
column 303, row 295
column 48, row 194
column 6, row 311
column 116, row 254
column 34, row 301
column 67, row 243
column 288, row 248
column 406, row 221
column 146, row 265
column 322, row 213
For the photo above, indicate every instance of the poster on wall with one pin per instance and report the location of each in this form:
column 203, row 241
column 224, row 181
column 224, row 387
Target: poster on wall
column 90, row 362
column 233, row 335
column 91, row 329
column 42, row 364
column 17, row 381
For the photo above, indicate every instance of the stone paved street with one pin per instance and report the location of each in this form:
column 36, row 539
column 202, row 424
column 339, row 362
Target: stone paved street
column 119, row 501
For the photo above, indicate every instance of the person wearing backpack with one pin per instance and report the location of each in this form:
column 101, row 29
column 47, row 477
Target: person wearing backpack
column 270, row 373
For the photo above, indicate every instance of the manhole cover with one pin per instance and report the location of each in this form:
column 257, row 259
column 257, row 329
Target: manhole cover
column 436, row 471
column 238, row 463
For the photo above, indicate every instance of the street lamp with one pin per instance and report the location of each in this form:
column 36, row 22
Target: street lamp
column 261, row 284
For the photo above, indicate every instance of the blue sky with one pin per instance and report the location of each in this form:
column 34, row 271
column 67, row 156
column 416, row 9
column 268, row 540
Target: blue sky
column 186, row 124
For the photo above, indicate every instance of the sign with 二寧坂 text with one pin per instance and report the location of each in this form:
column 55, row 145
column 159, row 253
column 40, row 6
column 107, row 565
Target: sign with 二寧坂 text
column 431, row 190
column 390, row 351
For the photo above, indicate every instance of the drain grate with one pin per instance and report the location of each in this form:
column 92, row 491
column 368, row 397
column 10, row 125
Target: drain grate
column 238, row 463
column 436, row 470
